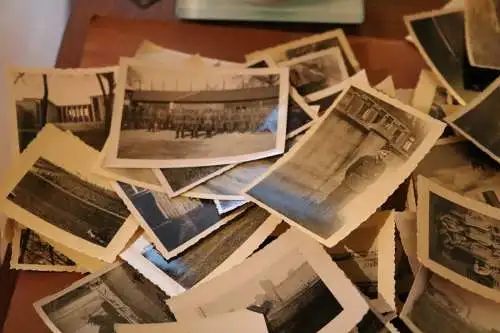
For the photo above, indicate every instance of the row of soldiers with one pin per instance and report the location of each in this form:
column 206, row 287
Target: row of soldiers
column 191, row 122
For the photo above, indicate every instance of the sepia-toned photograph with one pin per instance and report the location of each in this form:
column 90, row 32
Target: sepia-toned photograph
column 458, row 238
column 474, row 121
column 341, row 171
column 77, row 100
column 309, row 45
column 430, row 96
column 366, row 255
column 292, row 282
column 97, row 302
column 482, row 29
column 193, row 118
column 316, row 71
column 31, row 252
column 224, row 248
column 460, row 166
column 52, row 190
column 440, row 37
column 437, row 305
column 173, row 224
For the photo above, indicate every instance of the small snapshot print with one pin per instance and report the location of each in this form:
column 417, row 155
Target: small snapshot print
column 173, row 224
column 292, row 282
column 337, row 175
column 188, row 119
column 458, row 238
column 474, row 121
column 437, row 305
column 316, row 71
column 52, row 190
column 78, row 100
column 226, row 206
column 218, row 252
column 431, row 97
column 31, row 252
column 97, row 302
column 309, row 45
column 460, row 166
column 482, row 31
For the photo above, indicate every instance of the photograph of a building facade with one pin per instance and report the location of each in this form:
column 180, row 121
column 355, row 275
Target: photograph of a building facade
column 81, row 102
column 362, row 139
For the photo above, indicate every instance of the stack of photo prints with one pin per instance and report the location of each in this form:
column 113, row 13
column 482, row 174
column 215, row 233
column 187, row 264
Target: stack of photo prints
column 202, row 195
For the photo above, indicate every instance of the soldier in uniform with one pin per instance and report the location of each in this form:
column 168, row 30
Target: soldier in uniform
column 178, row 122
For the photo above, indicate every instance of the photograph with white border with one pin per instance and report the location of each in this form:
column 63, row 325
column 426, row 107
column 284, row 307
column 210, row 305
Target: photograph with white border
column 459, row 239
column 166, row 117
column 292, row 282
column 347, row 165
column 226, row 247
column 52, row 190
column 94, row 304
column 437, row 305
column 406, row 224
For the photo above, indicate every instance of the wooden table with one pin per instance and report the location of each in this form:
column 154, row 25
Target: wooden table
column 95, row 41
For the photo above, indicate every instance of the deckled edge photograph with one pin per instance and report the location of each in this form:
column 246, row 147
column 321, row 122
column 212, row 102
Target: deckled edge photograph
column 426, row 188
column 112, row 158
column 406, row 224
column 278, row 52
column 134, row 256
column 351, row 305
column 359, row 214
column 153, row 236
column 387, row 87
column 71, row 159
column 424, row 91
column 23, row 242
column 479, row 114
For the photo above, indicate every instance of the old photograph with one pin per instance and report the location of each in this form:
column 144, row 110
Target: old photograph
column 373, row 322
column 173, row 224
column 406, row 224
column 440, row 38
column 224, row 248
column 437, row 305
column 188, row 119
column 292, row 282
column 51, row 189
column 367, row 255
column 77, row 100
column 458, row 238
column 312, row 44
column 474, row 121
column 345, row 167
column 460, row 166
column 429, row 96
column 482, row 29
column 316, row 71
column 31, row 252
column 226, row 206
column 97, row 302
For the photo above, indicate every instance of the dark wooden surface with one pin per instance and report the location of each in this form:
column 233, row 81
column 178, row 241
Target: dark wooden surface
column 100, row 31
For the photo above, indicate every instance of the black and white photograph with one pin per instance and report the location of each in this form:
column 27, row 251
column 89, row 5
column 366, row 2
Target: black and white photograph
column 165, row 117
column 284, row 284
column 437, row 305
column 77, row 100
column 440, row 38
column 482, row 29
column 475, row 121
column 31, row 252
column 337, row 175
column 460, row 166
column 96, row 303
column 373, row 322
column 173, row 224
column 316, row 71
column 226, row 206
column 458, row 238
column 308, row 45
column 224, row 248
column 51, row 189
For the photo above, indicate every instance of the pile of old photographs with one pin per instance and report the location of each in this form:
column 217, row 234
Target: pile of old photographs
column 209, row 196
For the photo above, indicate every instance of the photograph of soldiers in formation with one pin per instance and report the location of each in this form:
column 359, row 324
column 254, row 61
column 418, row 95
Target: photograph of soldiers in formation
column 73, row 204
column 464, row 241
column 81, row 102
column 96, row 303
column 362, row 141
column 182, row 119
